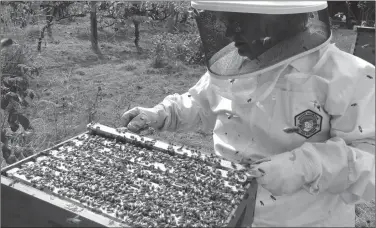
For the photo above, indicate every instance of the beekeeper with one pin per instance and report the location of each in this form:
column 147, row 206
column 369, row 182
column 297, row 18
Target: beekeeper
column 277, row 90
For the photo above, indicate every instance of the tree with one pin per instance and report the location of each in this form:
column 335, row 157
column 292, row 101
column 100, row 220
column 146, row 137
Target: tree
column 136, row 17
column 139, row 12
column 56, row 11
column 93, row 27
column 15, row 95
column 367, row 11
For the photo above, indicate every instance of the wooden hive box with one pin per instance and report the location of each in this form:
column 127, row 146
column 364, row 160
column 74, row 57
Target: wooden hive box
column 124, row 188
column 364, row 46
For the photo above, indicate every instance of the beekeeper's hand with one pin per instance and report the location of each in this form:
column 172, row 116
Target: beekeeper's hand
column 284, row 173
column 138, row 119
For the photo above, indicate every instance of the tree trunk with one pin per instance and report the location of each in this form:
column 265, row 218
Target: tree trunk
column 347, row 14
column 185, row 17
column 93, row 27
column 51, row 13
column 176, row 18
column 49, row 17
column 136, row 33
column 41, row 36
column 170, row 24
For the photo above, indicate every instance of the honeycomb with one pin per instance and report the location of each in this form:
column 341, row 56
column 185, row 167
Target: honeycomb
column 133, row 182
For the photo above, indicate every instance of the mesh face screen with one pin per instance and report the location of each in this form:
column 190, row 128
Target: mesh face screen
column 241, row 43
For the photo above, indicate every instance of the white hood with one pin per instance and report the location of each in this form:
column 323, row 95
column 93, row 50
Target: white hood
column 262, row 7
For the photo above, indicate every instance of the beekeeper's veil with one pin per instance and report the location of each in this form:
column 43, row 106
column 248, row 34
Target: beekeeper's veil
column 241, row 37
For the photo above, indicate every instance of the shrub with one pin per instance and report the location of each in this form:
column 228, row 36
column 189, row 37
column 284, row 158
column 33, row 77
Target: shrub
column 160, row 55
column 15, row 97
column 186, row 47
column 130, row 67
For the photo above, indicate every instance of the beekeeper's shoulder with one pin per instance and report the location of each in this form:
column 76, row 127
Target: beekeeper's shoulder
column 348, row 78
column 200, row 89
column 337, row 66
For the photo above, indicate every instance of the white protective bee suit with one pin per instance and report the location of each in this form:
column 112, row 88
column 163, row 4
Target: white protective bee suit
column 314, row 109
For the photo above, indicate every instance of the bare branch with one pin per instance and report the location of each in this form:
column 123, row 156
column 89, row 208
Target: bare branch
column 70, row 16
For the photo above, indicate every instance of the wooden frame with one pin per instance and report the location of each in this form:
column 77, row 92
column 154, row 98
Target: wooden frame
column 20, row 201
column 24, row 205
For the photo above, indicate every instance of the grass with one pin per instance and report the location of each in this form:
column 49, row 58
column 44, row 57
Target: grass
column 69, row 94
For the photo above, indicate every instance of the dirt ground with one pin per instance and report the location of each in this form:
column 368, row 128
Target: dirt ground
column 72, row 73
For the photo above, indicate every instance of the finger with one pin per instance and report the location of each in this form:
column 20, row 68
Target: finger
column 258, row 164
column 261, row 161
column 129, row 115
column 244, row 161
column 255, row 173
column 135, row 127
column 249, row 163
column 122, row 129
column 138, row 123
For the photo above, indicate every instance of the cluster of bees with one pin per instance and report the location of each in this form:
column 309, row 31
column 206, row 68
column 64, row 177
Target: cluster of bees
column 139, row 186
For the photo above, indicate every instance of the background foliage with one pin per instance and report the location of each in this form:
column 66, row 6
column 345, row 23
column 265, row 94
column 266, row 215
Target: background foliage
column 64, row 71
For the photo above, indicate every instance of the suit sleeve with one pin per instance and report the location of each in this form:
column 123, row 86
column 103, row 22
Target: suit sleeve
column 345, row 164
column 188, row 111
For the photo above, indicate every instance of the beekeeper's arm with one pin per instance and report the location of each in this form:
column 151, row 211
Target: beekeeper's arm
column 343, row 165
column 175, row 113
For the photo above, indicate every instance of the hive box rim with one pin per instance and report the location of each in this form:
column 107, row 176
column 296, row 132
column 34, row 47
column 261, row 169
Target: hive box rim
column 235, row 213
column 62, row 203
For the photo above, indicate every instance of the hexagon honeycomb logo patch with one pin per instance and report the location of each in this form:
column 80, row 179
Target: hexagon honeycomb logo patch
column 309, row 123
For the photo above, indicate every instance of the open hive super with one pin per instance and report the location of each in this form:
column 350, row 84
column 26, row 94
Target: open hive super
column 138, row 181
